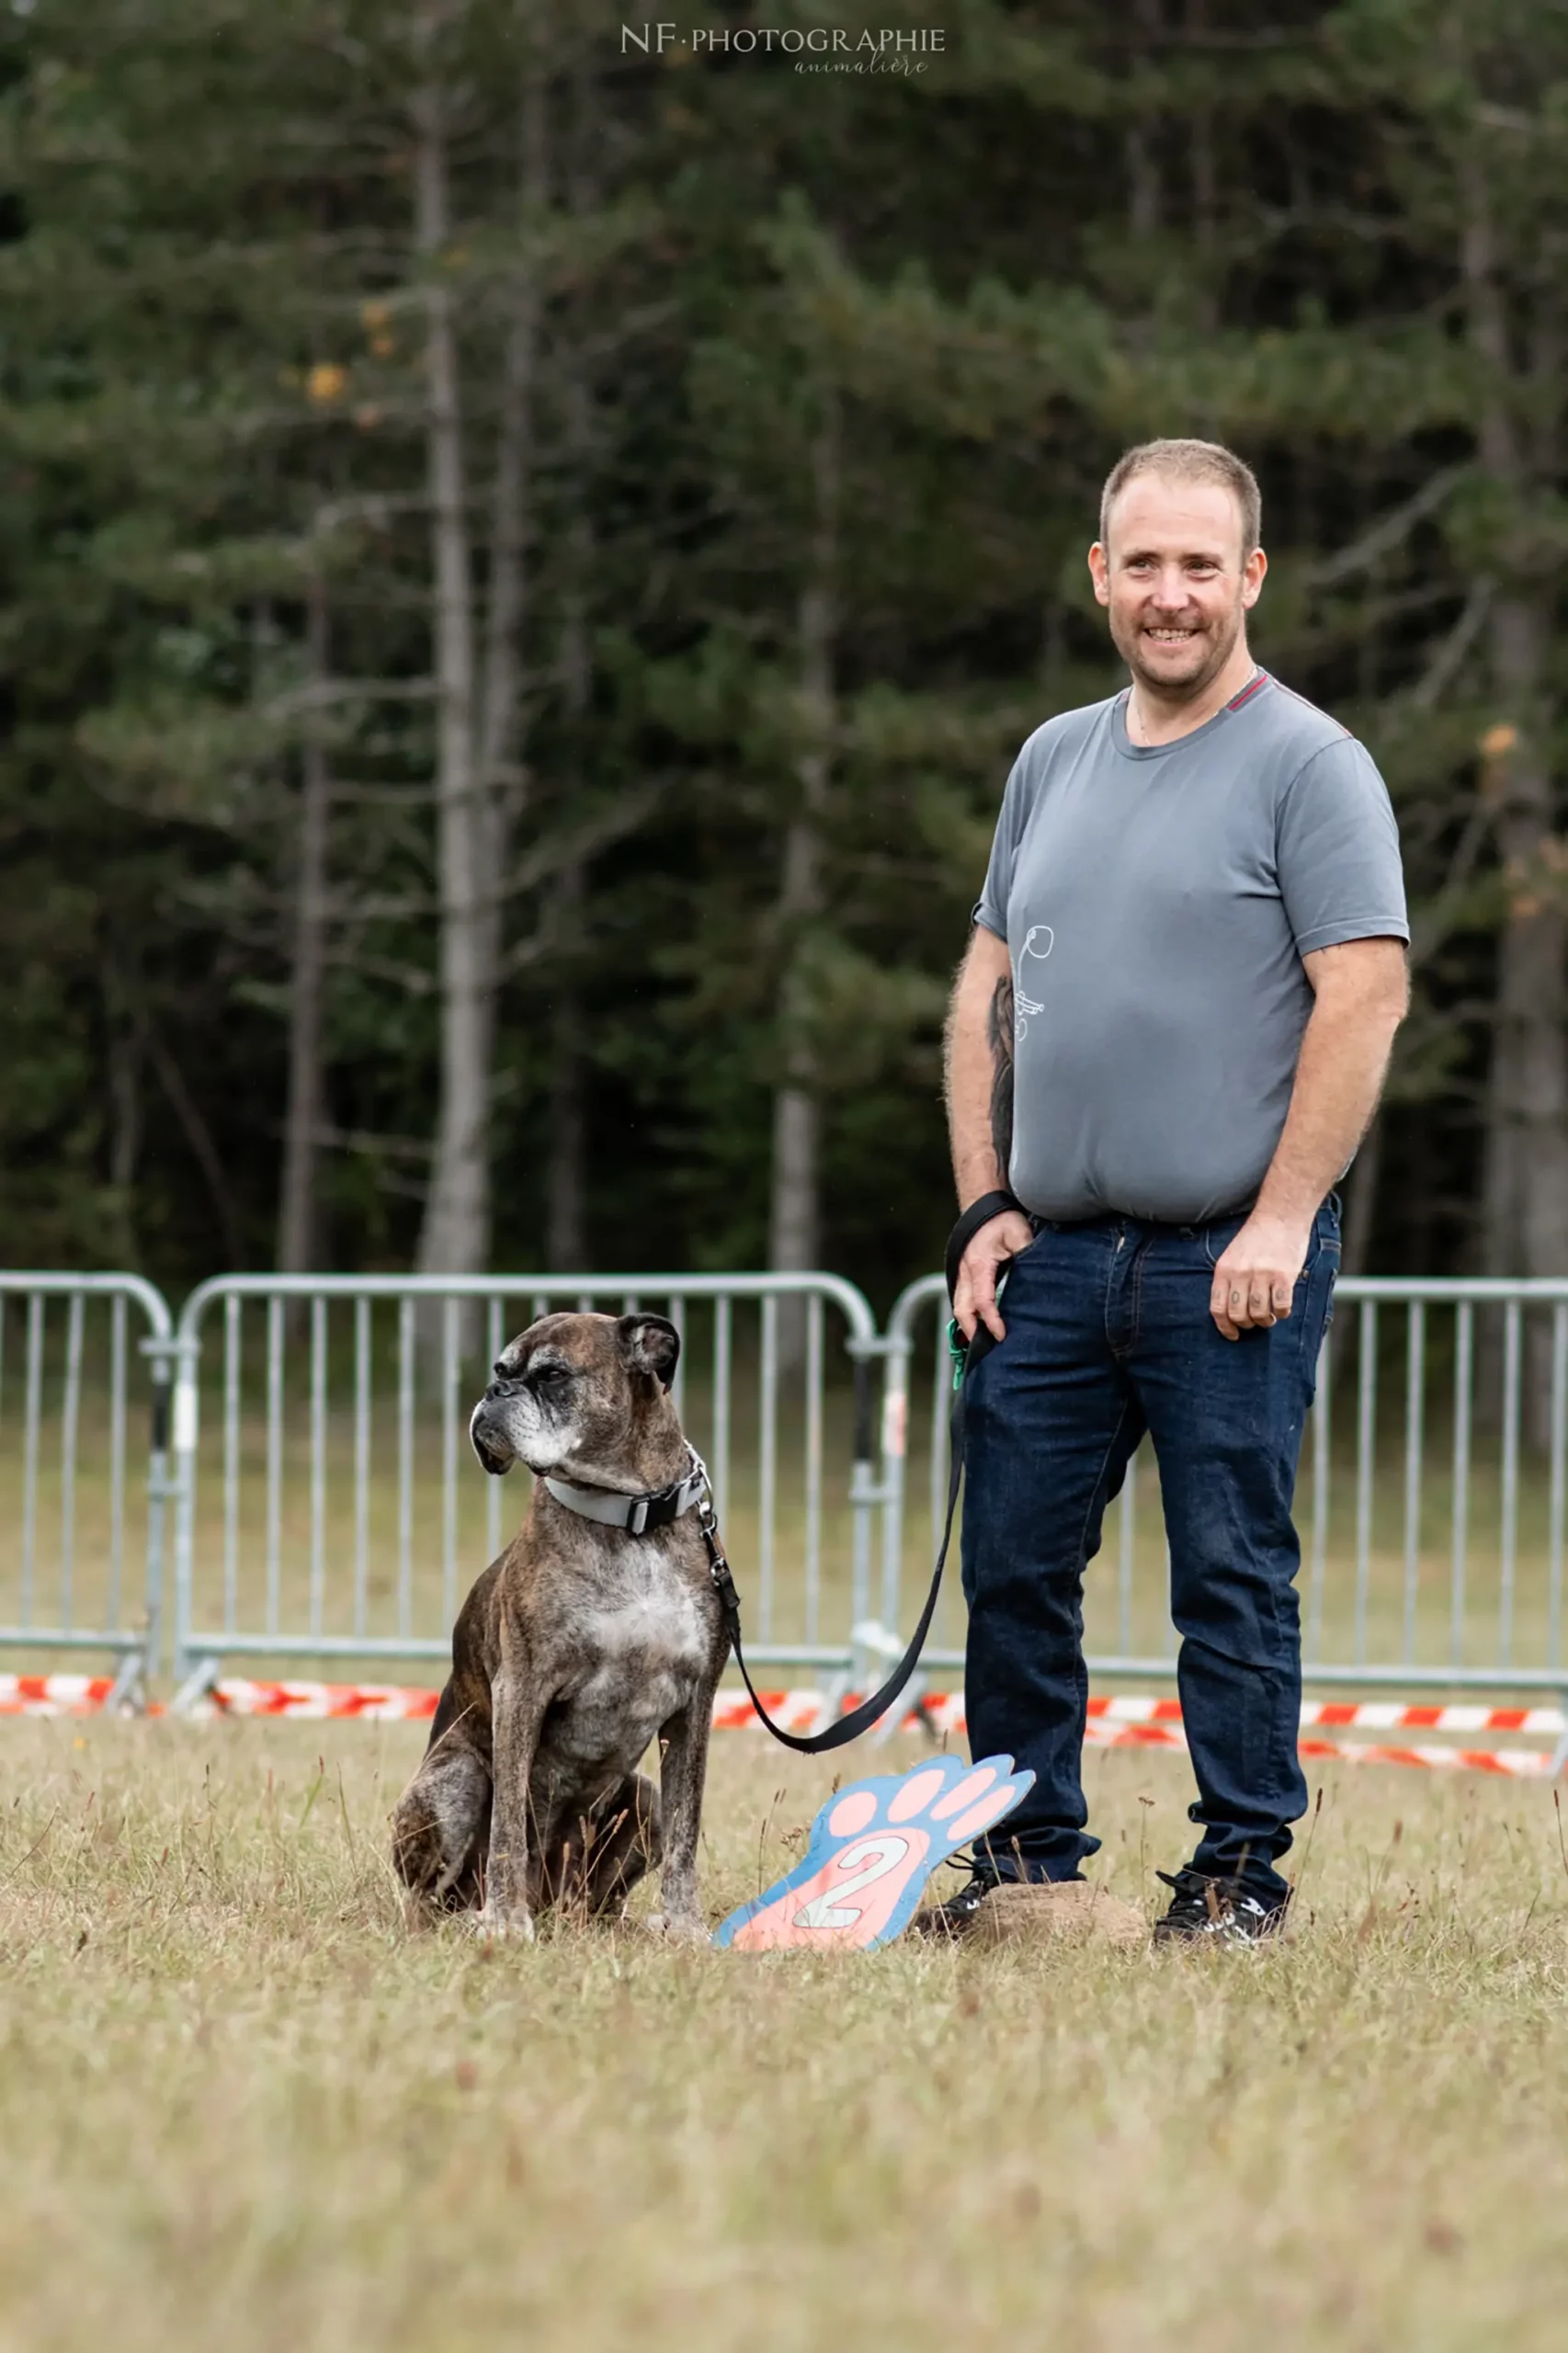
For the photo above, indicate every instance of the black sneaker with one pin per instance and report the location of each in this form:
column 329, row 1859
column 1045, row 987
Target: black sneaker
column 956, row 1917
column 1209, row 1909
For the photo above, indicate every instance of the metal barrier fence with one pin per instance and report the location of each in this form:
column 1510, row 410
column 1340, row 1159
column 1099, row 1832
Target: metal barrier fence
column 326, row 1506
column 345, row 1518
column 1431, row 1503
column 85, row 1352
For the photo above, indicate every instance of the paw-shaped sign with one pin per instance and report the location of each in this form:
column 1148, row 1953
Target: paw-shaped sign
column 873, row 1848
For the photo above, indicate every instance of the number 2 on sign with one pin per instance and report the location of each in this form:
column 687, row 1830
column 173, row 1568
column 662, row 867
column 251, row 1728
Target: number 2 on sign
column 868, row 1861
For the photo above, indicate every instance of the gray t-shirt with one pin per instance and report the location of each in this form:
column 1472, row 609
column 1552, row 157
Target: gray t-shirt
column 1157, row 903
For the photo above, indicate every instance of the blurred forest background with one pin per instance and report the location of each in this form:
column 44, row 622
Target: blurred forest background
column 526, row 564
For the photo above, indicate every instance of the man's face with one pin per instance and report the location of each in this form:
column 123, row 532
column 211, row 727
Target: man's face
column 1175, row 583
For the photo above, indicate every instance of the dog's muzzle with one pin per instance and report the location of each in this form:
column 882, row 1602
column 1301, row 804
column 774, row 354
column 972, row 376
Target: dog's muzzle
column 492, row 1446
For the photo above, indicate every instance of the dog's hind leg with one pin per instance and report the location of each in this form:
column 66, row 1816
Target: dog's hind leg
column 628, row 1842
column 603, row 1857
column 441, row 1825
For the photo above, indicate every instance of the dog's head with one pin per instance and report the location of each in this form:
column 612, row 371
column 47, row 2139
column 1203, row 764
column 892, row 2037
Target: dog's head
column 582, row 1392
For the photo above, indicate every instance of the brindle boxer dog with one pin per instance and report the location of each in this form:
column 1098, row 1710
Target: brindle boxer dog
column 576, row 1648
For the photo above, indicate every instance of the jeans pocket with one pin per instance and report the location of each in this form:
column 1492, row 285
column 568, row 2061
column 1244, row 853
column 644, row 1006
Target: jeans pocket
column 1323, row 1241
column 1218, row 1237
column 1313, row 1306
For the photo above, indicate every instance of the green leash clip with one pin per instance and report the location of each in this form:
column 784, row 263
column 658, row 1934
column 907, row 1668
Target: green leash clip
column 957, row 1348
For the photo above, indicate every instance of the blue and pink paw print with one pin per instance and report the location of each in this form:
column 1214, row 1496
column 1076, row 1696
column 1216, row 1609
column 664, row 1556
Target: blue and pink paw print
column 873, row 1848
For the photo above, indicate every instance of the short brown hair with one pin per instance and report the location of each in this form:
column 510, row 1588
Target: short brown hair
column 1188, row 461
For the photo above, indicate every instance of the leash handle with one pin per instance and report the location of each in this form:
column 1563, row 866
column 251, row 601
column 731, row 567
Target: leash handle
column 978, row 1213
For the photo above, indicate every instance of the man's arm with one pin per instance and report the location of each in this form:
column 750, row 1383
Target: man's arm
column 1362, row 988
column 978, row 1070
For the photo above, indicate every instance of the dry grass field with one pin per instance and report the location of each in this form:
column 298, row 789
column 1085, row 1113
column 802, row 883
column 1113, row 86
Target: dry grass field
column 244, row 2107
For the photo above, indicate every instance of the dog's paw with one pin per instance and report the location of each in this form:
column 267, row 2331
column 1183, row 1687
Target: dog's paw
column 501, row 1928
column 870, row 1852
column 676, row 1928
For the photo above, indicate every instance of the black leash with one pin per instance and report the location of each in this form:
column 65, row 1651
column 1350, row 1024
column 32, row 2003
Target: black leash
column 966, row 1356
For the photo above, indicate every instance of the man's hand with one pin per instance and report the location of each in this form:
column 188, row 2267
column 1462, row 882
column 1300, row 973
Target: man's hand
column 974, row 1299
column 1254, row 1280
column 1360, row 989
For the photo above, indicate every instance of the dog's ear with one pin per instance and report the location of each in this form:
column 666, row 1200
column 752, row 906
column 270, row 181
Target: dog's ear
column 650, row 1343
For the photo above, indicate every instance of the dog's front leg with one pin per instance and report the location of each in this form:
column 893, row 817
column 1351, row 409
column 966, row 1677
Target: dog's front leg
column 517, row 1707
column 683, row 1770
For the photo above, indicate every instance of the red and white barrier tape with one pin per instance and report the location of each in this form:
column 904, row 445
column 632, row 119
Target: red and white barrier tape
column 85, row 1694
column 1137, row 1722
column 1357, row 1715
column 1522, row 1764
column 1119, row 1720
column 54, row 1694
column 376, row 1703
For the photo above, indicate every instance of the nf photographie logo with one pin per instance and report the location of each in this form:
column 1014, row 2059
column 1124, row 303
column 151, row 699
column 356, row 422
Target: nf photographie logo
column 817, row 48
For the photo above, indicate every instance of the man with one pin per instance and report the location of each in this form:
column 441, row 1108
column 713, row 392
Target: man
column 1166, row 1040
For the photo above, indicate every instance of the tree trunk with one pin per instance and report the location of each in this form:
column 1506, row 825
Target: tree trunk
column 1524, row 1187
column 480, row 784
column 1144, row 204
column 1205, row 196
column 794, row 1223
column 125, row 1058
column 299, row 1235
column 566, row 1235
column 505, row 779
column 567, row 1177
column 566, row 1227
column 456, row 1232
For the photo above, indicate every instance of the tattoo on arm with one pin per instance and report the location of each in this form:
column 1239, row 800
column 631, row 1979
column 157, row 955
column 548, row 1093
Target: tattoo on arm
column 1000, row 1027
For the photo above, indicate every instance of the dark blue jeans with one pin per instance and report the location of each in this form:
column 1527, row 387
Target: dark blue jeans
column 1109, row 1335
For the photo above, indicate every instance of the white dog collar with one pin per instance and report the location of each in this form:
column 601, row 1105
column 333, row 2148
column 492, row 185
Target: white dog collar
column 637, row 1514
